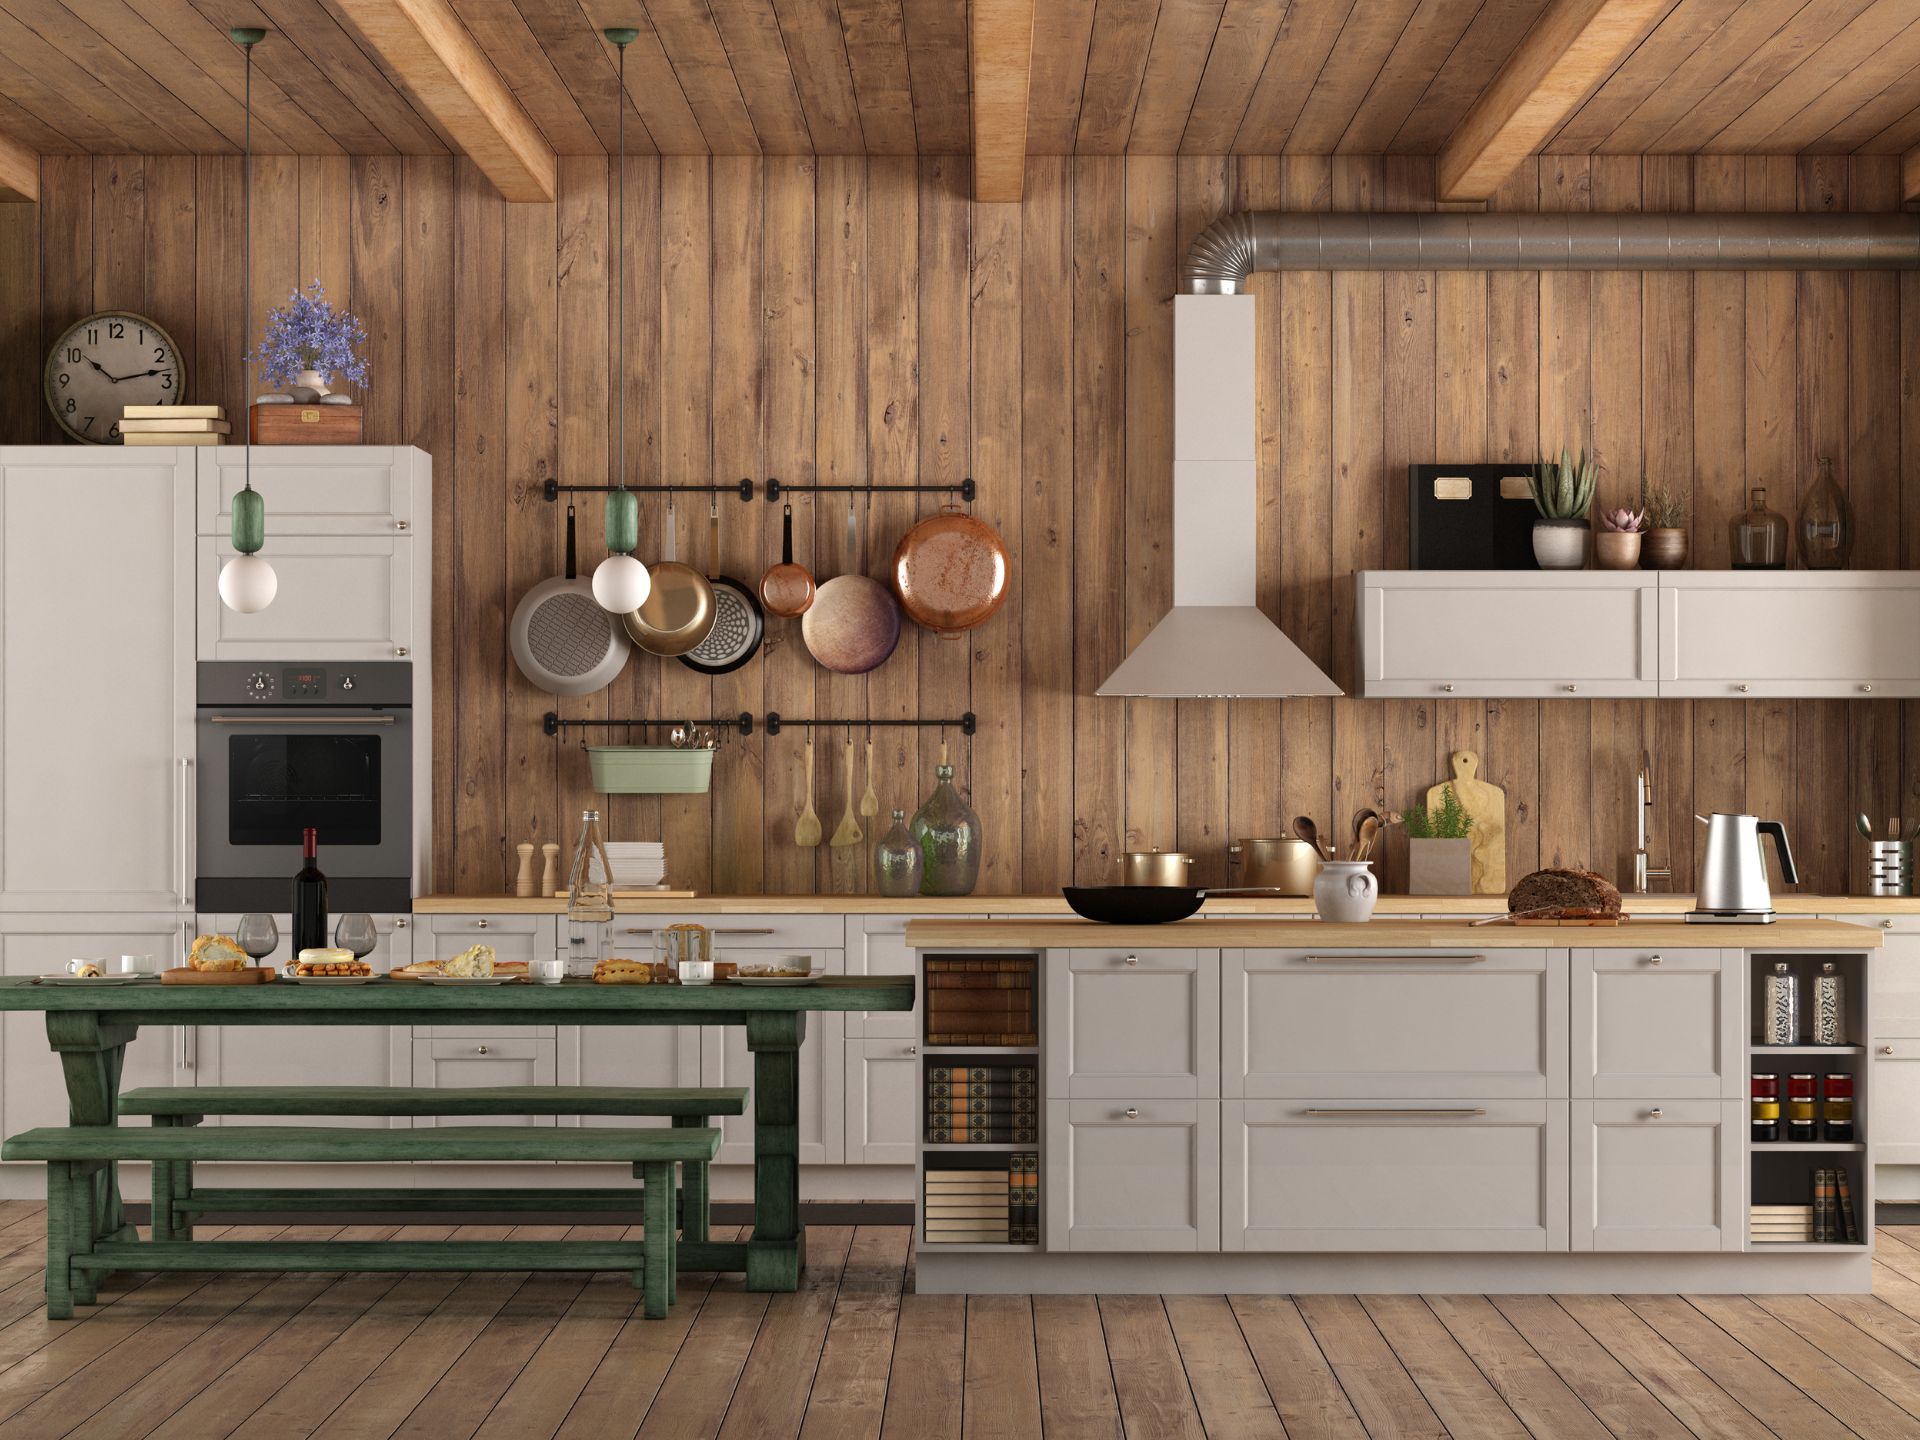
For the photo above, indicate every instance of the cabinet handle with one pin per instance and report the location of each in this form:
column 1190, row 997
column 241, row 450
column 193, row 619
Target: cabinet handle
column 1655, row 1113
column 186, row 829
column 401, row 923
column 1886, row 924
column 400, row 650
column 1573, row 689
column 1448, row 688
column 1429, row 1111
column 648, row 930
column 1653, row 959
column 913, row 1049
column 479, row 1049
column 1133, row 959
column 1130, row 1113
column 1396, row 959
column 1867, row 689
column 401, row 525
column 1744, row 689
column 189, row 1047
column 1886, row 1049
column 481, row 924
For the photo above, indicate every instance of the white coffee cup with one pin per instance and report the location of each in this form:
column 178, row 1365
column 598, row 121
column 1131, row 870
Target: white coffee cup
column 696, row 972
column 547, row 970
column 77, row 965
column 138, row 965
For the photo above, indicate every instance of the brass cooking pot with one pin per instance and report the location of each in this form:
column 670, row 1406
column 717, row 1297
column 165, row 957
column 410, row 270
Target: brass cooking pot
column 1155, row 867
column 1286, row 864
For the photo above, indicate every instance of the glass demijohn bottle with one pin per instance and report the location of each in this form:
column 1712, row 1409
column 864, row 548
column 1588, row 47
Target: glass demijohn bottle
column 897, row 862
column 949, row 834
column 1826, row 523
column 1758, row 536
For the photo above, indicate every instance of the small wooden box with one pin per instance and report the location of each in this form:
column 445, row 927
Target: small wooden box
column 305, row 424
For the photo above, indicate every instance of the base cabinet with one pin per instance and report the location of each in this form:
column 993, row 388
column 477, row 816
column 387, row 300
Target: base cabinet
column 452, row 1064
column 883, row 1102
column 1124, row 1023
column 1133, row 1175
column 1658, row 1175
column 1655, row 1026
column 648, row 1055
column 1413, row 1175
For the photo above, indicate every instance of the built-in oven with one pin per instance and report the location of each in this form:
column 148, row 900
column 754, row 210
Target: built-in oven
column 283, row 747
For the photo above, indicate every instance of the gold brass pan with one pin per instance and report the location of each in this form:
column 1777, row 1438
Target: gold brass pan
column 678, row 612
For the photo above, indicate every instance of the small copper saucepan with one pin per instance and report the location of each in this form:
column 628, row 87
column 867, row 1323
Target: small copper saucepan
column 1285, row 863
column 1155, row 867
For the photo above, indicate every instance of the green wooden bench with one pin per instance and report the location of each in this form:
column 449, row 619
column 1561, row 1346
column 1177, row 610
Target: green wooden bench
column 73, row 1154
column 176, row 1201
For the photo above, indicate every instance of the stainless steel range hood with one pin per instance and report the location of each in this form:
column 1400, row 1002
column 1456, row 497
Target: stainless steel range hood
column 1216, row 641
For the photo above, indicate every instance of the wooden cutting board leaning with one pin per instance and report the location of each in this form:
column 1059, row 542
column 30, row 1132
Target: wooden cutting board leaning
column 1487, row 804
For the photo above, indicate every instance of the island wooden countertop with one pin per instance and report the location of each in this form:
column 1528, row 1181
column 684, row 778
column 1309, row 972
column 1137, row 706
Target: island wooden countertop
column 1233, row 934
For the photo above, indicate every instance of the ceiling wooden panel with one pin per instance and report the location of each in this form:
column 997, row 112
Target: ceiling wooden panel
column 890, row 76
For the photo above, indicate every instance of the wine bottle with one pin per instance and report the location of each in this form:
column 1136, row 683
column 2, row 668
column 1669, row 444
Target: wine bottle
column 309, row 897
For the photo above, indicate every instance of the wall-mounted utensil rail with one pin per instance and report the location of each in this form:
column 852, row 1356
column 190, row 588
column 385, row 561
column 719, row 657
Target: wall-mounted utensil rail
column 773, row 723
column 772, row 489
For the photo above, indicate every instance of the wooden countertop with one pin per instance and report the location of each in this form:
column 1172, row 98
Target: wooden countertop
column 1054, row 905
column 1386, row 935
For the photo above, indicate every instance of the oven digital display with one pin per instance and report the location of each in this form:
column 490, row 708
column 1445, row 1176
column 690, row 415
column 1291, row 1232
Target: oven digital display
column 303, row 684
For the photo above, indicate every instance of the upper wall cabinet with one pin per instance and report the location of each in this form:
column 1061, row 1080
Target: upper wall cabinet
column 1507, row 633
column 1807, row 634
column 341, row 597
column 319, row 489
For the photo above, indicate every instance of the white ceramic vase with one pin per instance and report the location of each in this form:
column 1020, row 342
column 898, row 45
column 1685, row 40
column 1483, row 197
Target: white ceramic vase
column 1345, row 891
column 308, row 386
column 1560, row 544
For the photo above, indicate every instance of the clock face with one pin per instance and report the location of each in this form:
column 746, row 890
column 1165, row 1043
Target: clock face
column 108, row 361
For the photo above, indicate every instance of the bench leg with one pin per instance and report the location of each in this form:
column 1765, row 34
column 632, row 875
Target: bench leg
column 658, row 1277
column 695, row 1207
column 69, row 1230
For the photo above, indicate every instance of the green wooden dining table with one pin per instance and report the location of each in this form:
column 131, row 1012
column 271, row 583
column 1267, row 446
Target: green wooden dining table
column 89, row 1027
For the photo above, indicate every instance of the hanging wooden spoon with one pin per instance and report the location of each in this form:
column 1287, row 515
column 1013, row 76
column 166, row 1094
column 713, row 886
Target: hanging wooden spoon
column 869, row 802
column 807, row 832
column 848, row 831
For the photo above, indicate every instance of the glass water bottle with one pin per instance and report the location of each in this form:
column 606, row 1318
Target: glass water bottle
column 590, row 882
column 1759, row 537
column 1780, row 1006
column 1826, row 523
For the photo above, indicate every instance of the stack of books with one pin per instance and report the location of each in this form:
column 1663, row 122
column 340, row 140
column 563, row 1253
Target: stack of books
column 982, row 1105
column 173, row 425
column 970, row 1205
column 1830, row 1220
column 1023, row 1199
column 1775, row 1224
column 980, row 1000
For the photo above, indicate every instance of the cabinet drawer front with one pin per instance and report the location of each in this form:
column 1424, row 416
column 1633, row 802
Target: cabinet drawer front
column 1444, row 1022
column 1414, row 1174
column 1657, row 1175
column 338, row 599
column 740, row 932
column 450, row 1064
column 1728, row 634
column 323, row 490
column 520, row 938
column 1133, row 1023
column 1132, row 1175
column 1654, row 1025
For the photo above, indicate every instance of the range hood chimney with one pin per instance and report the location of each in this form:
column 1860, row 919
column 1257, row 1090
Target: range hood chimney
column 1215, row 641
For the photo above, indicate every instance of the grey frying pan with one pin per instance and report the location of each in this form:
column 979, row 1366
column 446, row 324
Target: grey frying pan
column 562, row 640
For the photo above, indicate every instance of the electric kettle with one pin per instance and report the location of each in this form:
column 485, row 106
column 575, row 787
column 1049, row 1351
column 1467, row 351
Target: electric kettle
column 1733, row 871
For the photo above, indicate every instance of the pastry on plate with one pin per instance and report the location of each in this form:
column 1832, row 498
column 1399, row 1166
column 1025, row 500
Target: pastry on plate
column 218, row 953
column 616, row 970
column 330, row 961
column 474, row 961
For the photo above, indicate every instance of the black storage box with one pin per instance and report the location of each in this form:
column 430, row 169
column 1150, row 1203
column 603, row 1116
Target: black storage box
column 1470, row 517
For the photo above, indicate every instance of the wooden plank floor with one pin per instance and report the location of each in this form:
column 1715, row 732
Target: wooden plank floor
column 854, row 1355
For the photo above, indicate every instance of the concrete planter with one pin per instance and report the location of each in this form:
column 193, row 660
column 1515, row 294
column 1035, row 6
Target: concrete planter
column 1440, row 867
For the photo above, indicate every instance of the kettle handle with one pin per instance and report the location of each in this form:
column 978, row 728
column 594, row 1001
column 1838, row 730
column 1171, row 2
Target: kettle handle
column 1779, row 833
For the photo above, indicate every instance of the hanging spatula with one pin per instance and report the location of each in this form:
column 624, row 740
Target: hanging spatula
column 848, row 831
column 807, row 832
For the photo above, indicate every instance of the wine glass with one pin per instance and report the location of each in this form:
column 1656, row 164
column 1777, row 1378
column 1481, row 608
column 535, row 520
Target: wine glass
column 258, row 935
column 355, row 932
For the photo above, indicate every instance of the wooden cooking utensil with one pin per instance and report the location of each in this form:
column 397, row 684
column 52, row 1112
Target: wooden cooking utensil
column 1369, row 833
column 869, row 802
column 807, row 832
column 1304, row 827
column 848, row 831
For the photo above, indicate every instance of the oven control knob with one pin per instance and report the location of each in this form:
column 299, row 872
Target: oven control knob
column 259, row 683
column 346, row 682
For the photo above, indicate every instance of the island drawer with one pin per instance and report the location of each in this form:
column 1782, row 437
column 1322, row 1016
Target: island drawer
column 1393, row 1024
column 739, row 932
column 1132, row 1175
column 1412, row 1174
column 1132, row 1023
column 1657, row 1025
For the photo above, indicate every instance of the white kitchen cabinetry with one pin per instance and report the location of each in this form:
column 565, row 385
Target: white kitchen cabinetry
column 1124, row 1024
column 1658, row 1175
column 1432, row 633
column 347, row 597
column 1392, row 1025
column 319, row 489
column 1654, row 1026
column 884, row 1102
column 1132, row 1175
column 492, row 1060
column 877, row 945
column 725, row 1060
column 1410, row 1175
column 1896, row 1115
column 1839, row 634
column 97, row 587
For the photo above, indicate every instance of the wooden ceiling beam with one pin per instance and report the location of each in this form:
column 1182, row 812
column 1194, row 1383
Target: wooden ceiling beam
column 1910, row 175
column 1573, row 46
column 19, row 173
column 448, row 73
column 1002, row 61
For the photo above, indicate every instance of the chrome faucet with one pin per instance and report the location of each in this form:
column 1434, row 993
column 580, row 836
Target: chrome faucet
column 1644, row 872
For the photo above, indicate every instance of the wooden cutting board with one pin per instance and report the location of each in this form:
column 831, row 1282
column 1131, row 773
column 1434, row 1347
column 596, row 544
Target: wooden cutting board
column 187, row 975
column 1487, row 804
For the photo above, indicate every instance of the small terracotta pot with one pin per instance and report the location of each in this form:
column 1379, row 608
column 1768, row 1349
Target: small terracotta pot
column 1560, row 544
column 1666, row 549
column 1617, row 549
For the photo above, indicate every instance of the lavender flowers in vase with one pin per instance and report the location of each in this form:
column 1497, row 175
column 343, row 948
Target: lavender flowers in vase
column 307, row 343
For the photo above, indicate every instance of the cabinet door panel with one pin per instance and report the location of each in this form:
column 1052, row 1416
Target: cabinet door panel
column 1649, row 1025
column 450, row 1064
column 1895, row 970
column 1132, row 1175
column 726, row 1060
column 1133, row 1023
column 1894, row 1131
column 1657, row 1176
column 1392, row 1025
column 339, row 598
column 520, row 938
column 1836, row 634
column 648, row 1055
column 316, row 489
column 877, row 945
column 1415, row 1175
column 884, row 1102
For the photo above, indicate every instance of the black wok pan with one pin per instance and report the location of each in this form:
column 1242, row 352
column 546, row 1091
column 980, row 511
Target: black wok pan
column 1146, row 904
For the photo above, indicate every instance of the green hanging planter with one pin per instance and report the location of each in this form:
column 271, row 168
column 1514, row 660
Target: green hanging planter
column 623, row 522
column 249, row 522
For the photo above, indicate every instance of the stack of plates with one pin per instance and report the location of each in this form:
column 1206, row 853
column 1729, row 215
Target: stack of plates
column 637, row 864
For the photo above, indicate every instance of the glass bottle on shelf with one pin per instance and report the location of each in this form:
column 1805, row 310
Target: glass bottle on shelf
column 949, row 834
column 590, row 881
column 1780, row 1006
column 1826, row 523
column 1759, row 536
column 897, row 861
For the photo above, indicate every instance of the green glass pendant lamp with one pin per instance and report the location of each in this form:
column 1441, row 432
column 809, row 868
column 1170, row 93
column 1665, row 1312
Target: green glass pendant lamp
column 247, row 582
column 621, row 583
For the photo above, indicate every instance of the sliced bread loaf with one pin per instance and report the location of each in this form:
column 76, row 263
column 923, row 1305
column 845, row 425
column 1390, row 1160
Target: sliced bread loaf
column 1565, row 895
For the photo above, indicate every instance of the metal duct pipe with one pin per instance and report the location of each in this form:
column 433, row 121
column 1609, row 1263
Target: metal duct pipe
column 1236, row 245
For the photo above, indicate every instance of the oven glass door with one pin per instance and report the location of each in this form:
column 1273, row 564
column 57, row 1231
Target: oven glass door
column 280, row 783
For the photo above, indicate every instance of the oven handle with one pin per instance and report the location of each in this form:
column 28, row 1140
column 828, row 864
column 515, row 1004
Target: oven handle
column 272, row 720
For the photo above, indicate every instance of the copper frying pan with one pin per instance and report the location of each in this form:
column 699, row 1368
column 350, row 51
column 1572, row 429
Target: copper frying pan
column 951, row 571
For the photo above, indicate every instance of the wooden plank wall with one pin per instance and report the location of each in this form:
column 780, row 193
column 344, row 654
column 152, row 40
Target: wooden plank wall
column 849, row 319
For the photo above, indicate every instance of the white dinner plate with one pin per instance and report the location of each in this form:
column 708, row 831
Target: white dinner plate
column 467, row 979
column 61, row 977
column 774, row 979
column 330, row 979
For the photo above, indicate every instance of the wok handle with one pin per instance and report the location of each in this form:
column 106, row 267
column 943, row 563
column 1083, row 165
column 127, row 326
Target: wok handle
column 573, row 569
column 786, row 535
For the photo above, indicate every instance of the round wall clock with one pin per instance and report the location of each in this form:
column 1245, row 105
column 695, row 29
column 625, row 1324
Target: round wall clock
column 108, row 361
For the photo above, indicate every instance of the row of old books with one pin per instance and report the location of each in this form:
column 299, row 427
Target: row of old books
column 980, row 1000
column 985, row 1206
column 173, row 425
column 983, row 1105
column 1829, row 1220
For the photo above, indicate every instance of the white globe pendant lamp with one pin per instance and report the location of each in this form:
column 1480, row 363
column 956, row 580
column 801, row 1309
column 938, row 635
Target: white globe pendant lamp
column 247, row 582
column 621, row 583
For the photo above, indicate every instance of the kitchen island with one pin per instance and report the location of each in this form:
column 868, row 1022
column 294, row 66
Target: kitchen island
column 1258, row 1105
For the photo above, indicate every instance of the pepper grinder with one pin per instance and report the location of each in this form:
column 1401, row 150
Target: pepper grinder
column 550, row 868
column 523, row 878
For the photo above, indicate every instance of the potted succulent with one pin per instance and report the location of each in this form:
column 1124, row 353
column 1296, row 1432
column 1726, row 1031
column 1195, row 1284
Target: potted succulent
column 1562, row 493
column 1439, row 847
column 1666, row 511
column 1616, row 545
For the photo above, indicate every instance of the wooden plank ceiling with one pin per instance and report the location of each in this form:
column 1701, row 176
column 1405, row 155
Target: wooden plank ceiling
column 891, row 76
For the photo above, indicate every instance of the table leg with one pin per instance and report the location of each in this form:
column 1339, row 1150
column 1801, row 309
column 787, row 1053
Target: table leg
column 91, row 1056
column 777, row 1251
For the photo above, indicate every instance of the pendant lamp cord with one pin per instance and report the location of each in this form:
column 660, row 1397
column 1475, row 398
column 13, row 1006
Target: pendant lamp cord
column 620, row 309
column 246, row 281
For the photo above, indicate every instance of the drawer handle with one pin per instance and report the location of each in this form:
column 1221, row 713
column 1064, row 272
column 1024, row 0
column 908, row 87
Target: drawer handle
column 1886, row 1049
column 481, row 924
column 1653, row 959
column 1130, row 1113
column 1448, row 688
column 649, row 930
column 400, row 650
column 480, row 1049
column 1656, row 1113
column 1412, row 1110
column 401, row 923
column 1866, row 689
column 1744, row 689
column 1573, row 689
column 913, row 1049
column 1133, row 959
column 1396, row 959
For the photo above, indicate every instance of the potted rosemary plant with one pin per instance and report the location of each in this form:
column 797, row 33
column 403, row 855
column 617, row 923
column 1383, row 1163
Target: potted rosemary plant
column 1439, row 849
column 1666, row 547
column 1562, row 493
